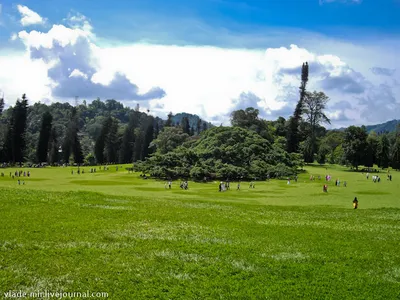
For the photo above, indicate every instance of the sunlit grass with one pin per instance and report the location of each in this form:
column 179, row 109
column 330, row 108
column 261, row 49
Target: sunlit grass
column 116, row 232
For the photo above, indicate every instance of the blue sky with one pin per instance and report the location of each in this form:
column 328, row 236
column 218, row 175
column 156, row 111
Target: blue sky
column 133, row 20
column 206, row 56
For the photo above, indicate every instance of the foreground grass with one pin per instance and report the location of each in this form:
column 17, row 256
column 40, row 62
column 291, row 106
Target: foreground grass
column 114, row 232
column 179, row 247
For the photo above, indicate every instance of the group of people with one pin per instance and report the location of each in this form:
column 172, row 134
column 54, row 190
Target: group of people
column 224, row 186
column 184, row 185
column 376, row 178
column 18, row 174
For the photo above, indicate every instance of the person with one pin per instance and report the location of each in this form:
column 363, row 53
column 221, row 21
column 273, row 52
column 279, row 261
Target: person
column 325, row 188
column 220, row 187
column 165, row 185
column 355, row 203
column 238, row 186
column 345, row 183
column 169, row 184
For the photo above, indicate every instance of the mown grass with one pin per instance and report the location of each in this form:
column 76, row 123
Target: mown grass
column 136, row 240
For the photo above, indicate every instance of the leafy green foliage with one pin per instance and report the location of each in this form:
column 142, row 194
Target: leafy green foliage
column 222, row 152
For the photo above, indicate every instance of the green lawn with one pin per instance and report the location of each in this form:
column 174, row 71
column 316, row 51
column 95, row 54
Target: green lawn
column 115, row 232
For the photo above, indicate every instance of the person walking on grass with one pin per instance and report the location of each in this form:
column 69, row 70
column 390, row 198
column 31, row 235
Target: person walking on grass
column 238, row 186
column 355, row 203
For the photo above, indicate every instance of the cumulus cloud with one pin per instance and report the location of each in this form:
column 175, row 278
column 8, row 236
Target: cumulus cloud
column 73, row 68
column 383, row 71
column 29, row 17
column 380, row 104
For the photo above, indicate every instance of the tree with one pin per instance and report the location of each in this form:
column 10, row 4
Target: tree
column 294, row 122
column 1, row 104
column 314, row 105
column 128, row 139
column 332, row 139
column 383, row 154
column 372, row 149
column 101, row 141
column 148, row 137
column 15, row 143
column 77, row 150
column 249, row 119
column 169, row 121
column 185, row 125
column 198, row 126
column 71, row 143
column 323, row 151
column 395, row 153
column 354, row 145
column 169, row 139
column 53, row 156
column 111, row 141
column 44, row 137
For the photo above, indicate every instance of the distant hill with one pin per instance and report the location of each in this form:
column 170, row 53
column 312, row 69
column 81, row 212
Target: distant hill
column 193, row 119
column 389, row 126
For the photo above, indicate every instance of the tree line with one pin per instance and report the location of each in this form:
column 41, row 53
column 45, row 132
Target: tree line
column 107, row 132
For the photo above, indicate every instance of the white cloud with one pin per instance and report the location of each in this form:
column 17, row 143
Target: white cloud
column 29, row 17
column 208, row 81
column 13, row 36
column 77, row 73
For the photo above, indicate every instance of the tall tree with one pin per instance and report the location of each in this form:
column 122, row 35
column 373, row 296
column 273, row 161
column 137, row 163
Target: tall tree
column 44, row 137
column 53, row 155
column 128, row 139
column 1, row 104
column 71, row 143
column 314, row 105
column 15, row 140
column 185, row 125
column 77, row 150
column 198, row 126
column 294, row 122
column 372, row 149
column 383, row 154
column 395, row 153
column 354, row 145
column 148, row 137
column 111, row 142
column 169, row 121
column 101, row 141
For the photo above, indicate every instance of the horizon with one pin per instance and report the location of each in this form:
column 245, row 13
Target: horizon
column 205, row 57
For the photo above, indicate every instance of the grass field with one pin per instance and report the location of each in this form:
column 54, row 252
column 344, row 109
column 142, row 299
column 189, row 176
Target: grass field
column 115, row 232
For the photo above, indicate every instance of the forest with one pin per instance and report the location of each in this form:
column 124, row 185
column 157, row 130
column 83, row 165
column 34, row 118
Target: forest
column 185, row 146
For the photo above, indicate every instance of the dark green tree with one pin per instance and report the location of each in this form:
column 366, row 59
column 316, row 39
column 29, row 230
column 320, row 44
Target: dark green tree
column 383, row 154
column 293, row 139
column 198, row 126
column 314, row 105
column 354, row 145
column 54, row 147
column 185, row 125
column 44, row 137
column 169, row 121
column 111, row 142
column 101, row 141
